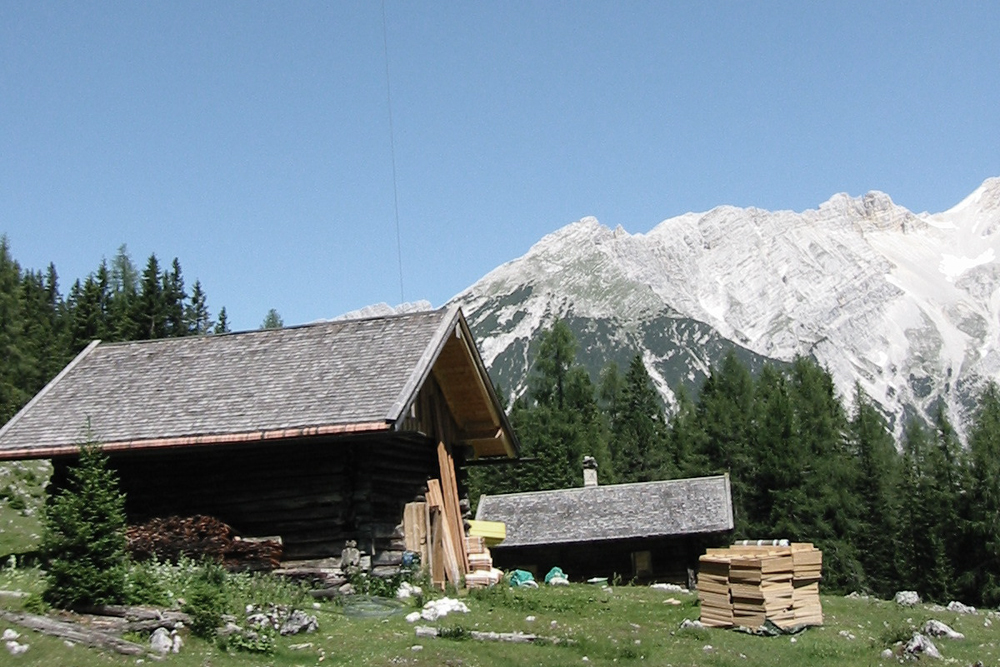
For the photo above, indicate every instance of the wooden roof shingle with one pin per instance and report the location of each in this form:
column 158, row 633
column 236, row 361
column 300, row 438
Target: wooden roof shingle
column 331, row 377
column 612, row 512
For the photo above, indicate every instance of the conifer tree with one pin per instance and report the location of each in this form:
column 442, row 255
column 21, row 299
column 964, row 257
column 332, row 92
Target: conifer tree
column 556, row 353
column 196, row 316
column 152, row 307
column 222, row 325
column 685, row 437
column 878, row 482
column 174, row 298
column 123, row 303
column 724, row 409
column 14, row 370
column 775, row 474
column 923, row 553
column 84, row 536
column 638, row 446
column 981, row 581
column 272, row 320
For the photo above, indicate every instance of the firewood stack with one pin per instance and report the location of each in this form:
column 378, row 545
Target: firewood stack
column 747, row 584
column 482, row 574
column 199, row 537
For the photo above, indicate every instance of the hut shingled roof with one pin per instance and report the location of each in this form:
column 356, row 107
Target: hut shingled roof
column 343, row 376
column 612, row 512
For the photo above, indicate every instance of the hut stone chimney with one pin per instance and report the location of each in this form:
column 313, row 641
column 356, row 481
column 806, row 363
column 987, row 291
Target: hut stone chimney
column 589, row 471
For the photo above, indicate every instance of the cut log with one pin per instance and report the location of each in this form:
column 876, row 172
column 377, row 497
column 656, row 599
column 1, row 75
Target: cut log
column 73, row 633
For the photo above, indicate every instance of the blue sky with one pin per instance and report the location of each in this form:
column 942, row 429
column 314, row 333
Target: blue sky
column 251, row 140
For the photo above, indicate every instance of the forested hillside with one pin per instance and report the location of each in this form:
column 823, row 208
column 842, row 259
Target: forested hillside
column 922, row 515
column 41, row 330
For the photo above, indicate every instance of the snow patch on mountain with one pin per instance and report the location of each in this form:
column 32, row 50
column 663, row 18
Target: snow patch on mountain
column 905, row 304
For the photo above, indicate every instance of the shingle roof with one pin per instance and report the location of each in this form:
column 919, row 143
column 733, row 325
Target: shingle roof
column 321, row 378
column 614, row 511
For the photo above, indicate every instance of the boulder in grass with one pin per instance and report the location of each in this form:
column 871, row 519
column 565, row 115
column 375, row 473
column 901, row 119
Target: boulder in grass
column 960, row 608
column 907, row 598
column 939, row 629
column 920, row 646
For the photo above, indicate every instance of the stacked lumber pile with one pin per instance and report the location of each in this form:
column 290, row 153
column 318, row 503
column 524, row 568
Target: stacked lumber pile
column 747, row 584
column 482, row 574
column 761, row 588
column 198, row 537
column 808, row 564
column 713, row 591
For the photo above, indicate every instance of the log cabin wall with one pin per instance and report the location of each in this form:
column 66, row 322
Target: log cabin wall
column 314, row 494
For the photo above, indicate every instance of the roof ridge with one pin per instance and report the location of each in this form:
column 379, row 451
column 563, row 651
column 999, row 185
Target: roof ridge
column 247, row 332
column 608, row 486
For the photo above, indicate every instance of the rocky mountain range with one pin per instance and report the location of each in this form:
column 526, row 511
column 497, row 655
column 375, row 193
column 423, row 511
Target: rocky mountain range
column 906, row 304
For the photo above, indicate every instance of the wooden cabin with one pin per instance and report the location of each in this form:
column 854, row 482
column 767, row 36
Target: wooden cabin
column 645, row 530
column 319, row 433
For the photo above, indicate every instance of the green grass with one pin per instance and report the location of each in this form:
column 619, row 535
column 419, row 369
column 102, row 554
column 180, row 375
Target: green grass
column 22, row 495
column 628, row 625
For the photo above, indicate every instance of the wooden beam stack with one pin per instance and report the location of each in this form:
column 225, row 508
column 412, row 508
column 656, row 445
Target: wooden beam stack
column 775, row 583
column 482, row 574
column 808, row 561
column 713, row 591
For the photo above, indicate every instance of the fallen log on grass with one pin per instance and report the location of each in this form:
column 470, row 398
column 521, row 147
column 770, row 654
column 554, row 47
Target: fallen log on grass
column 73, row 633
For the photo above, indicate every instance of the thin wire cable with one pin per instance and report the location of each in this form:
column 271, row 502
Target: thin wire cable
column 392, row 145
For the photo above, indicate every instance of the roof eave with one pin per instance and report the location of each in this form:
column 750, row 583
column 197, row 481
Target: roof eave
column 72, row 449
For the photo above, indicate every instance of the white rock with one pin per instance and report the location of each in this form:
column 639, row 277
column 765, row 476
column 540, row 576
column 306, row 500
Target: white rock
column 16, row 649
column 887, row 654
column 688, row 623
column 436, row 609
column 920, row 645
column 9, row 635
column 413, row 617
column 939, row 629
column 416, row 647
column 529, row 619
column 907, row 598
column 960, row 608
column 160, row 641
column 175, row 642
column 425, row 631
column 670, row 588
column 407, row 590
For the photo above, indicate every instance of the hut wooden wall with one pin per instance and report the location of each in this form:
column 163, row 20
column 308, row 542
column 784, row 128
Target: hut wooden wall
column 315, row 495
column 671, row 557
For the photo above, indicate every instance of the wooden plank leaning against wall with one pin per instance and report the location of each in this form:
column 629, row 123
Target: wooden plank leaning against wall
column 442, row 542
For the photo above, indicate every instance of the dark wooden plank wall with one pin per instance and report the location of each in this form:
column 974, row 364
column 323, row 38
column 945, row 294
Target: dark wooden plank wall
column 671, row 557
column 315, row 495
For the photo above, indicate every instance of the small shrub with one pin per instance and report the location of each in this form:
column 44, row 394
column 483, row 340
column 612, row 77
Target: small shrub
column 17, row 503
column 249, row 641
column 143, row 586
column 206, row 601
column 36, row 604
column 84, row 536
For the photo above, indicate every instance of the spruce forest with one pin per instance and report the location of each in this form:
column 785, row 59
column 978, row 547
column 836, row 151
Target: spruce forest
column 921, row 514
